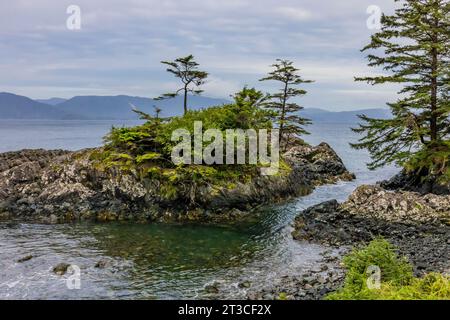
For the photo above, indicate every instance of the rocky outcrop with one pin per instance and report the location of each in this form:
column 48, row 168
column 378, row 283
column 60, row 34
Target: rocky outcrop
column 419, row 225
column 322, row 161
column 416, row 183
column 58, row 186
column 375, row 202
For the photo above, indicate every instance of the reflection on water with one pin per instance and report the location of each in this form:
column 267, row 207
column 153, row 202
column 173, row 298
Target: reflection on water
column 161, row 261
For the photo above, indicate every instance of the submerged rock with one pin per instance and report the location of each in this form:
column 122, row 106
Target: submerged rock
column 245, row 284
column 102, row 264
column 61, row 269
column 212, row 288
column 26, row 258
column 60, row 186
column 307, row 285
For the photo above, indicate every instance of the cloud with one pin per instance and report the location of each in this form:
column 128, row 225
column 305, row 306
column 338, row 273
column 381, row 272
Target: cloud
column 220, row 88
column 296, row 14
column 120, row 46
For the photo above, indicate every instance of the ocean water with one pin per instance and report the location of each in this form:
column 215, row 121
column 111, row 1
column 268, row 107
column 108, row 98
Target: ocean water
column 160, row 261
column 51, row 134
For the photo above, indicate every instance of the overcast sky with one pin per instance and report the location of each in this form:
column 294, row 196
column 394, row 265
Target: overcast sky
column 121, row 43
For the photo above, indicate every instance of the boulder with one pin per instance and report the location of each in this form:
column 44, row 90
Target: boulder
column 61, row 268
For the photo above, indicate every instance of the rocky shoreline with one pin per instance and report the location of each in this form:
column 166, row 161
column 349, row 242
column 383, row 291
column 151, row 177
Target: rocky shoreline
column 417, row 224
column 61, row 186
column 312, row 284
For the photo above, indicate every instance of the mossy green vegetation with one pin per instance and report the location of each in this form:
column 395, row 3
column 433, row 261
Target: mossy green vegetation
column 146, row 149
column 396, row 281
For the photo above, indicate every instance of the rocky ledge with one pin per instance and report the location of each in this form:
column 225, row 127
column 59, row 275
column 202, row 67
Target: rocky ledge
column 416, row 183
column 419, row 225
column 60, row 186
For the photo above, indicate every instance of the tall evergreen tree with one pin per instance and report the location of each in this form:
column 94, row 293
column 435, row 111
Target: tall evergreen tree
column 413, row 48
column 290, row 123
column 186, row 69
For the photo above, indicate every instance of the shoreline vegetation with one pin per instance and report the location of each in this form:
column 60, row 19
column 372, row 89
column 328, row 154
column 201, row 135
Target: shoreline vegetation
column 399, row 227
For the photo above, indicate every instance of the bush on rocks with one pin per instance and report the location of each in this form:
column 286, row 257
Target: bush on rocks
column 396, row 281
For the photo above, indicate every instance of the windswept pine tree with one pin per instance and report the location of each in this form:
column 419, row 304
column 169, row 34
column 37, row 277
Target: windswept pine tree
column 413, row 47
column 289, row 122
column 186, row 69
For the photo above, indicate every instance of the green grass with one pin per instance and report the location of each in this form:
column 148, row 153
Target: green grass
column 396, row 282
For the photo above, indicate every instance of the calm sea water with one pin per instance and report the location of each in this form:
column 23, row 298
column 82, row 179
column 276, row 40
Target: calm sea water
column 159, row 261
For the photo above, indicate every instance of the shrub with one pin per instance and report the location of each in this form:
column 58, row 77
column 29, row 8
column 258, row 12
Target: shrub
column 146, row 149
column 397, row 281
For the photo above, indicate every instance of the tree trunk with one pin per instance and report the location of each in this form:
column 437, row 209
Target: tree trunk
column 434, row 111
column 185, row 100
column 283, row 112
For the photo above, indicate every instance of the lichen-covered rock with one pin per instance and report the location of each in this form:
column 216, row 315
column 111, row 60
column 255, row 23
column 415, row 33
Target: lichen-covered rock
column 401, row 206
column 59, row 186
column 322, row 160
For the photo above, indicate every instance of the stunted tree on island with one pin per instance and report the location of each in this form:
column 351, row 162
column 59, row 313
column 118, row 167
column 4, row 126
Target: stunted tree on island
column 287, row 117
column 413, row 48
column 186, row 69
column 247, row 111
column 157, row 111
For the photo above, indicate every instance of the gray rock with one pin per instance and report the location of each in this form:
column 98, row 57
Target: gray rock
column 25, row 258
column 212, row 288
column 102, row 264
column 61, row 269
column 244, row 284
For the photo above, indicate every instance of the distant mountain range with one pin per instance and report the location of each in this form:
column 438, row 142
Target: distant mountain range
column 13, row 106
column 18, row 107
column 120, row 108
column 320, row 115
column 52, row 101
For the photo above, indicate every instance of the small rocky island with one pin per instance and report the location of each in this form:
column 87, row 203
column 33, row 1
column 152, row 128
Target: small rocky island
column 62, row 186
column 133, row 176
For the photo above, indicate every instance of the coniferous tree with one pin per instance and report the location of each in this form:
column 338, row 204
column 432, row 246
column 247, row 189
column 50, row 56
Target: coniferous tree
column 186, row 69
column 289, row 122
column 247, row 109
column 413, row 48
column 157, row 112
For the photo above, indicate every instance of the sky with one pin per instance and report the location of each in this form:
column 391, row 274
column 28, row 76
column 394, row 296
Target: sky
column 120, row 44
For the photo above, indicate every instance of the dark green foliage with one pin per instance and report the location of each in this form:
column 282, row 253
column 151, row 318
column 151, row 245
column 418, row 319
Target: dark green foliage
column 397, row 281
column 246, row 112
column 290, row 124
column 413, row 47
column 186, row 69
column 147, row 148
